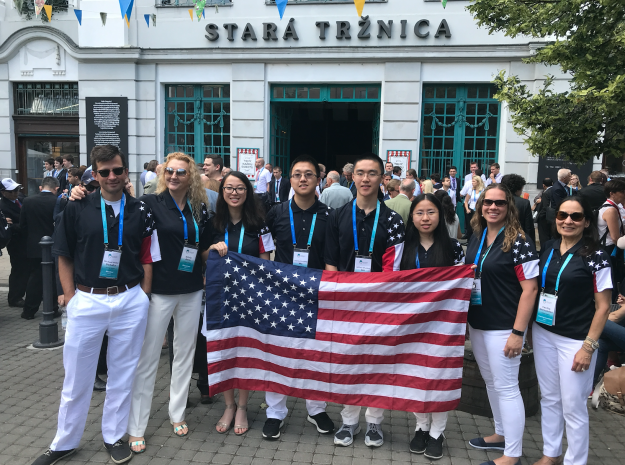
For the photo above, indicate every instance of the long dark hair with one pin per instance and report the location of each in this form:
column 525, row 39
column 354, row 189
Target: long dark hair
column 253, row 214
column 448, row 206
column 441, row 253
column 590, row 236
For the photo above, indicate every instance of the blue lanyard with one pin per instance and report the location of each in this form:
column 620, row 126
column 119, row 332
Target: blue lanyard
column 417, row 261
column 184, row 220
column 375, row 226
column 240, row 238
column 479, row 251
column 566, row 262
column 312, row 227
column 105, row 226
column 350, row 186
column 474, row 197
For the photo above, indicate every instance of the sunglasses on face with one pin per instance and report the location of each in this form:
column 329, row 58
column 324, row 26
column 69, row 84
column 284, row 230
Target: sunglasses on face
column 180, row 172
column 576, row 216
column 116, row 171
column 498, row 203
column 90, row 187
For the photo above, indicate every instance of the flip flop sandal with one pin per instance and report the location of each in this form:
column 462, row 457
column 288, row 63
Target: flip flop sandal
column 226, row 426
column 247, row 427
column 136, row 444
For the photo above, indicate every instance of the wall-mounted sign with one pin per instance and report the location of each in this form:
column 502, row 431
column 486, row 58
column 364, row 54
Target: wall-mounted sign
column 246, row 161
column 400, row 158
column 107, row 123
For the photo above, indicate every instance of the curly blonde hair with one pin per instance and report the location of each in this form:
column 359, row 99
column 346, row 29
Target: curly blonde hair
column 480, row 183
column 512, row 225
column 196, row 193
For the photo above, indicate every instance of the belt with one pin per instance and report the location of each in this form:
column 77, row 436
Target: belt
column 113, row 290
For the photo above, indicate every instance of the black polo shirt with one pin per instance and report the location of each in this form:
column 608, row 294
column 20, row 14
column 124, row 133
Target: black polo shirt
column 580, row 280
column 423, row 256
column 388, row 244
column 254, row 242
column 166, row 278
column 80, row 236
column 502, row 273
column 279, row 223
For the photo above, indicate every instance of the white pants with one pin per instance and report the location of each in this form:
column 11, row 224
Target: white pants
column 564, row 395
column 123, row 317
column 435, row 423
column 185, row 308
column 501, row 375
column 276, row 406
column 351, row 415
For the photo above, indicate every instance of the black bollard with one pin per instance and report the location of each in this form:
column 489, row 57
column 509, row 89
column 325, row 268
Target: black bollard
column 48, row 328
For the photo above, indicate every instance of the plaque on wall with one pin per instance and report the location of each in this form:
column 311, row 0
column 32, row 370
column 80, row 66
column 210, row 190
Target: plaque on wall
column 246, row 161
column 548, row 168
column 107, row 123
column 400, row 158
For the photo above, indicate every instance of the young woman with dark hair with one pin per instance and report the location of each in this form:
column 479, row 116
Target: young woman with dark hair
column 449, row 210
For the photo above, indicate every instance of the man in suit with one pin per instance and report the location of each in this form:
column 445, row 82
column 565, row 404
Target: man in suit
column 594, row 192
column 401, row 204
column 455, row 182
column 281, row 194
column 61, row 173
column 560, row 189
column 11, row 206
column 515, row 184
column 348, row 178
column 36, row 221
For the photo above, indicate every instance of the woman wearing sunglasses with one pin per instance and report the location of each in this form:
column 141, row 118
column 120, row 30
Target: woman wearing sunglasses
column 179, row 207
column 238, row 226
column 502, row 302
column 428, row 245
column 573, row 306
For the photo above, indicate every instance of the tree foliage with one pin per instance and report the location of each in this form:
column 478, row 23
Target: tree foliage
column 587, row 40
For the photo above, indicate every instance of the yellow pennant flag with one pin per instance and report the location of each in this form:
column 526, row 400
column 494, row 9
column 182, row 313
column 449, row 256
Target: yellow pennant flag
column 127, row 22
column 48, row 9
column 191, row 14
column 359, row 6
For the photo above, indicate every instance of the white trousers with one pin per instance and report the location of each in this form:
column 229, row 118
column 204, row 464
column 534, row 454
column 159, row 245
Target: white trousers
column 501, row 375
column 564, row 395
column 123, row 318
column 185, row 309
column 435, row 423
column 351, row 415
column 276, row 406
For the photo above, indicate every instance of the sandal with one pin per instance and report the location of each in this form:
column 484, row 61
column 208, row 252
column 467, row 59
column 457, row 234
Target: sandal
column 180, row 428
column 246, row 426
column 226, row 426
column 137, row 444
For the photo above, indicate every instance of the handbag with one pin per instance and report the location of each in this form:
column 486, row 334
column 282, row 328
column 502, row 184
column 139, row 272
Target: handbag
column 611, row 391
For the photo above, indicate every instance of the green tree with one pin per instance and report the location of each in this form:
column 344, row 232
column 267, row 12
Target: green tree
column 586, row 38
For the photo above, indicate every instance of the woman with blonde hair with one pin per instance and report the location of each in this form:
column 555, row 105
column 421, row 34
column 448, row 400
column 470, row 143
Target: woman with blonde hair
column 574, row 184
column 428, row 187
column 470, row 200
column 179, row 208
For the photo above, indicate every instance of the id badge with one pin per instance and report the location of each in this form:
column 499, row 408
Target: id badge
column 110, row 264
column 363, row 264
column 476, row 292
column 547, row 309
column 187, row 260
column 300, row 257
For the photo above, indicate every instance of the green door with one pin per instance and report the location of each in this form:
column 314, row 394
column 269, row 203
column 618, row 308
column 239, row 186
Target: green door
column 280, row 140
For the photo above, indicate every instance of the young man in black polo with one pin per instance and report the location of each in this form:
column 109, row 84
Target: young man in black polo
column 299, row 241
column 380, row 233
column 106, row 245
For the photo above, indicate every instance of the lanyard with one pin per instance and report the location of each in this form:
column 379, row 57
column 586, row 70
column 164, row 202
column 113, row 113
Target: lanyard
column 474, row 197
column 566, row 262
column 479, row 251
column 240, row 238
column 417, row 260
column 312, row 228
column 350, row 186
column 375, row 226
column 105, row 226
column 184, row 220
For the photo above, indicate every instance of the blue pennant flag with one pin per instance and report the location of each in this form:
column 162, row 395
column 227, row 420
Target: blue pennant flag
column 123, row 6
column 281, row 4
column 78, row 14
column 147, row 19
column 203, row 15
column 129, row 10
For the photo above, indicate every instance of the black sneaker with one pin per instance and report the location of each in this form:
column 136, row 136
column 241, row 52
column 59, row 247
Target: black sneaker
column 120, row 451
column 271, row 430
column 374, row 436
column 434, row 449
column 50, row 457
column 322, row 422
column 419, row 442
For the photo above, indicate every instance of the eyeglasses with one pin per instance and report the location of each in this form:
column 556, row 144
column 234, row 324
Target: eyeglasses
column 116, row 171
column 238, row 190
column 419, row 214
column 498, row 203
column 575, row 216
column 370, row 174
column 307, row 175
column 90, row 187
column 180, row 172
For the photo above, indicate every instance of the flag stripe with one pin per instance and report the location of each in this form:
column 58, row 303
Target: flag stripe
column 389, row 333
column 393, row 319
column 383, row 297
column 433, row 275
column 395, row 308
column 439, row 339
column 396, row 287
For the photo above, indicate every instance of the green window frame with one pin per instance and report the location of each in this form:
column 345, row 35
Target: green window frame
column 325, row 93
column 198, row 120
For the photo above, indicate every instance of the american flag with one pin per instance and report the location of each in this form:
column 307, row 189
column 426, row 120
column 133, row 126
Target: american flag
column 388, row 340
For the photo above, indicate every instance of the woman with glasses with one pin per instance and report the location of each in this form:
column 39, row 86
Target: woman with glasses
column 179, row 208
column 428, row 245
column 470, row 200
column 502, row 302
column 238, row 226
column 573, row 306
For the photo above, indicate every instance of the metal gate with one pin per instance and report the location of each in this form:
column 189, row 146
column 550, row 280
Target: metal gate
column 280, row 141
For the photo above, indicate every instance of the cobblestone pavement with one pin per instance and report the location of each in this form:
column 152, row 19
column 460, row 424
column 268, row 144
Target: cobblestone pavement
column 30, row 388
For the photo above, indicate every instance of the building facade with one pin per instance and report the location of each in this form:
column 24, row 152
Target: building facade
column 408, row 79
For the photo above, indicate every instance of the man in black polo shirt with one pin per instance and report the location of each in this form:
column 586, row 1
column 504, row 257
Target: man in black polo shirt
column 100, row 273
column 380, row 233
column 299, row 242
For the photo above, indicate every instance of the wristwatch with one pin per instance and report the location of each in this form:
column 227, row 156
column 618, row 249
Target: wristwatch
column 518, row 333
column 594, row 344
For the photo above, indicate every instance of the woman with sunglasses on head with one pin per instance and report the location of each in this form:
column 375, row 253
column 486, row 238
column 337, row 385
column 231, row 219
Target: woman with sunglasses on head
column 502, row 301
column 428, row 245
column 470, row 200
column 573, row 306
column 179, row 207
column 238, row 226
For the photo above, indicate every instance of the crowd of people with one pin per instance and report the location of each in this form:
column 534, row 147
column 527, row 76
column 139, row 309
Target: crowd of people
column 369, row 218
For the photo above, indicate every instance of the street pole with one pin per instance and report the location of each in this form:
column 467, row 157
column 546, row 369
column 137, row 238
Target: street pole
column 48, row 328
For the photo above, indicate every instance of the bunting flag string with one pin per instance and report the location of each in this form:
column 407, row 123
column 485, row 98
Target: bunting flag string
column 48, row 10
column 18, row 4
column 147, row 19
column 103, row 18
column 154, row 19
column 38, row 6
column 78, row 14
column 281, row 4
column 199, row 8
column 444, row 2
column 359, row 6
column 191, row 14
